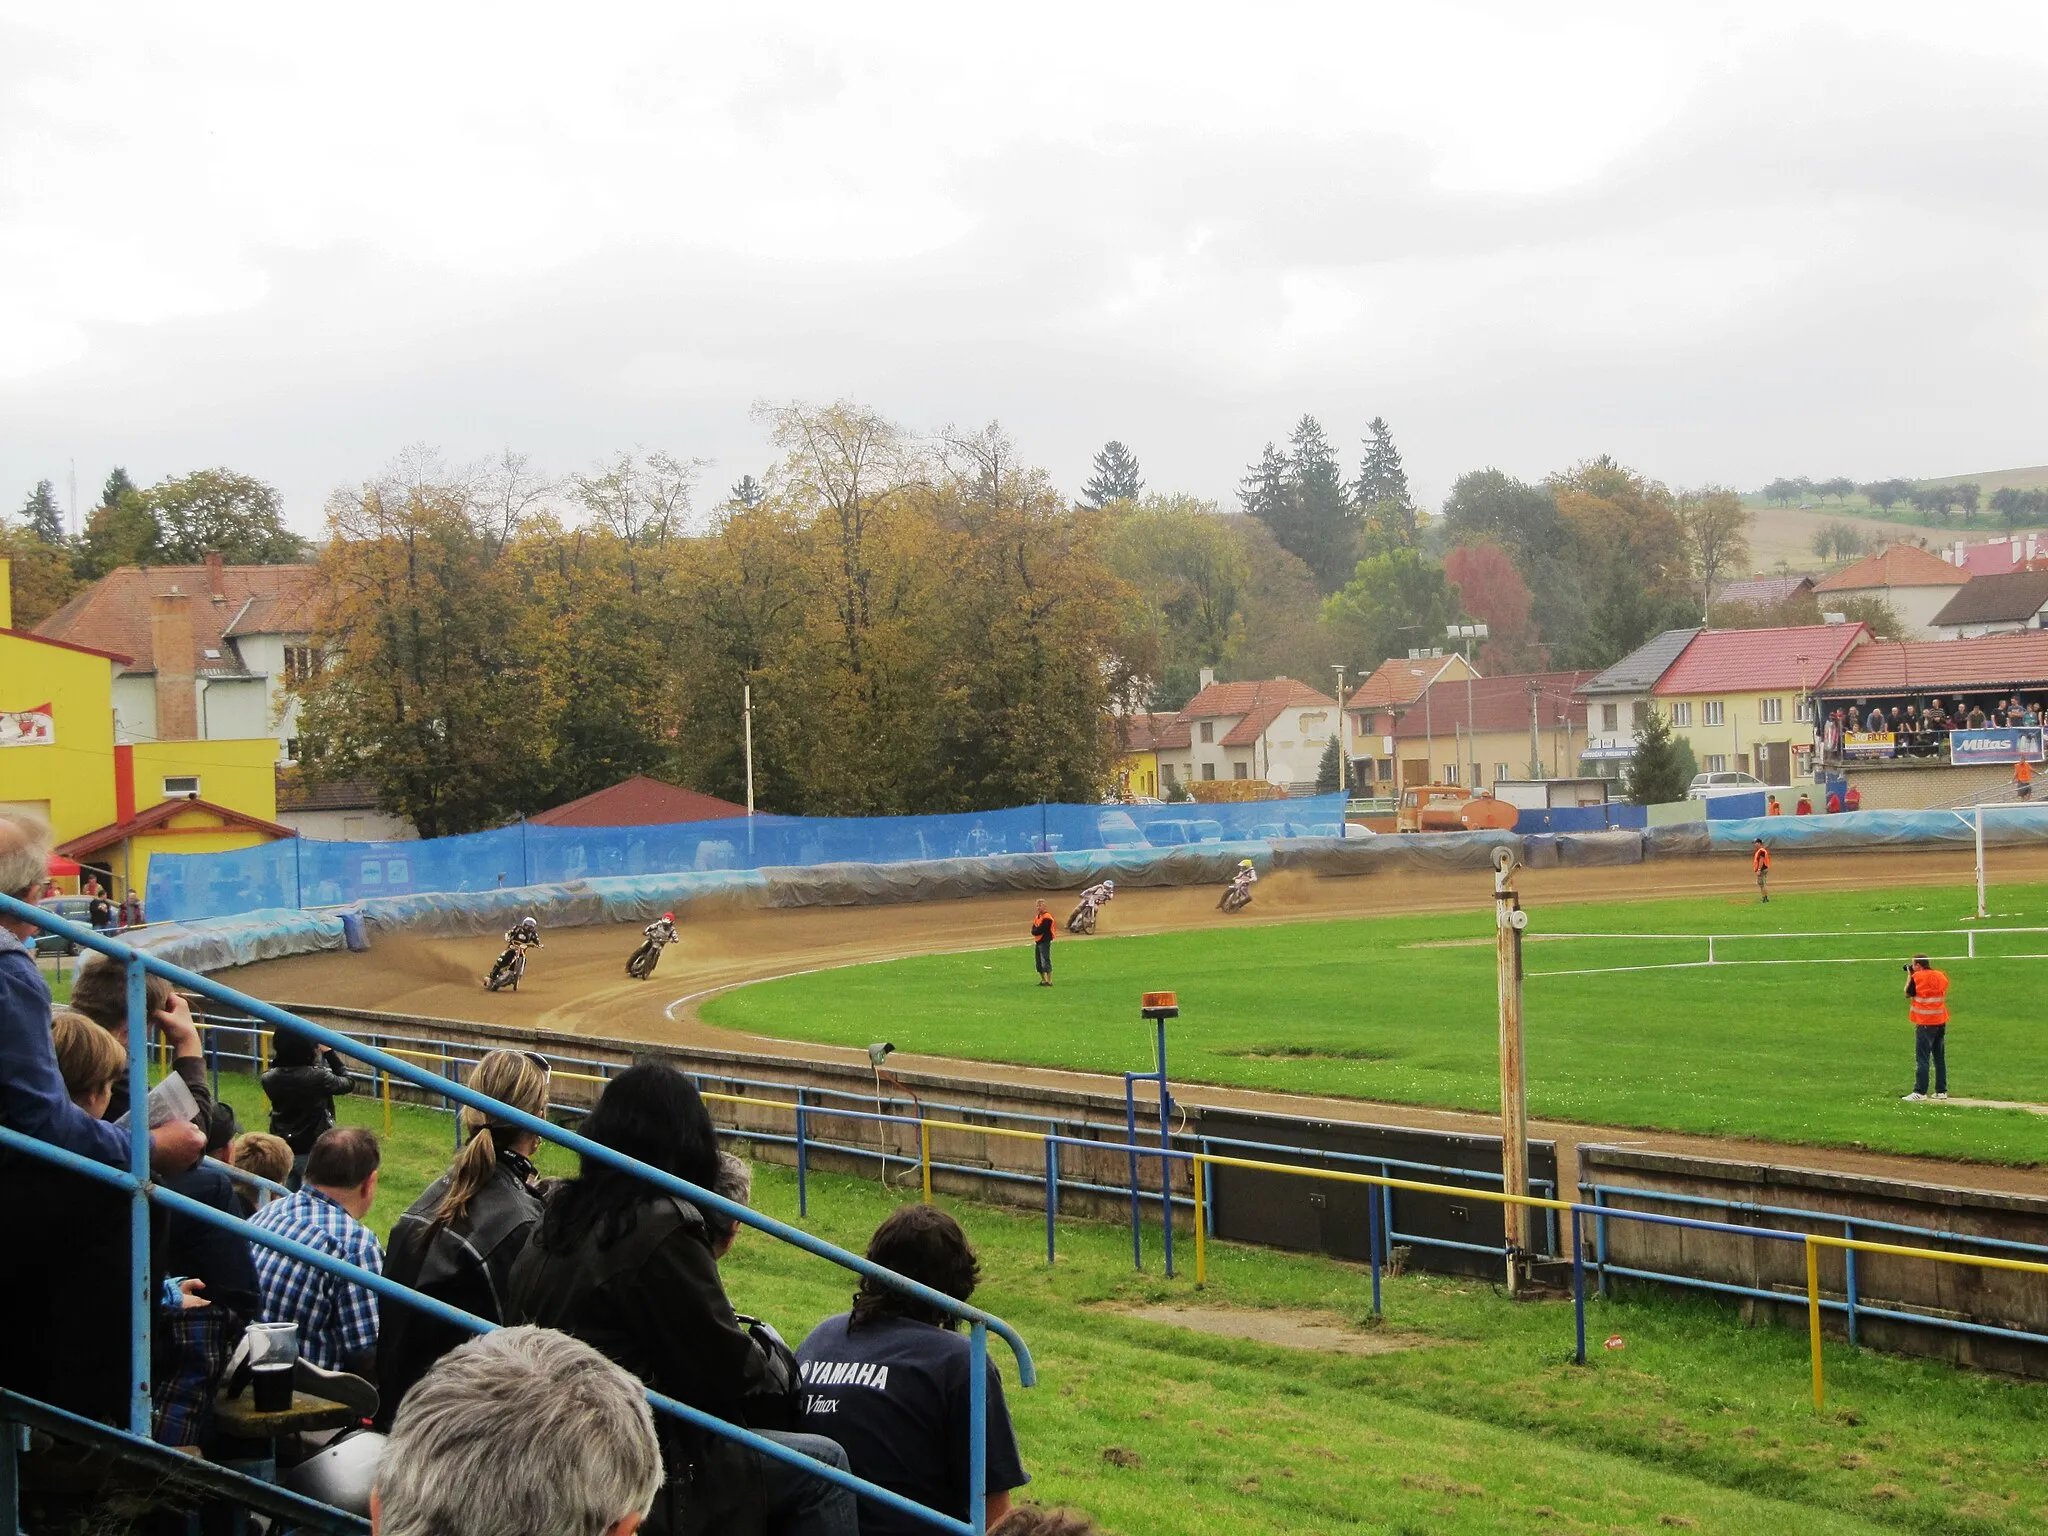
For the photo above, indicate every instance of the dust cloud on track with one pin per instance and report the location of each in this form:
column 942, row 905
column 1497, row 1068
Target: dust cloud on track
column 576, row 984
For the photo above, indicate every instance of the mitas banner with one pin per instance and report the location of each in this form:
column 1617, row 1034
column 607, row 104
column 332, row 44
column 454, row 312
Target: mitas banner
column 35, row 727
column 1996, row 744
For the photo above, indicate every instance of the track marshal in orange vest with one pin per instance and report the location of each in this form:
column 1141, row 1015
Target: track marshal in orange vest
column 1927, row 1006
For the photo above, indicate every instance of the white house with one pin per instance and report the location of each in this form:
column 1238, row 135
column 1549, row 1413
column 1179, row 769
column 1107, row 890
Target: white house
column 1994, row 605
column 1275, row 730
column 1915, row 583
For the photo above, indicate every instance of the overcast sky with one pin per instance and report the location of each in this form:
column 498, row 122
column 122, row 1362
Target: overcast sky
column 1722, row 243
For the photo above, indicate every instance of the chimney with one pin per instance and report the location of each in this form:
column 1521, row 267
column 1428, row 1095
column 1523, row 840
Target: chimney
column 216, row 580
column 1208, row 677
column 170, row 639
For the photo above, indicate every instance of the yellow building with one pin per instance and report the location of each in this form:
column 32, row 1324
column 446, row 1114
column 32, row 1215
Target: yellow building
column 1742, row 697
column 111, row 803
column 1136, row 771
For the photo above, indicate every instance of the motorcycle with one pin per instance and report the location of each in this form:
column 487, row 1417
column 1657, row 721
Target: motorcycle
column 509, row 968
column 1083, row 918
column 641, row 964
column 1236, row 898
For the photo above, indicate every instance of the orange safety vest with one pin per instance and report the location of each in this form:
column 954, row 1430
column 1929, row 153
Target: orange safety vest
column 1929, row 1003
column 1760, row 860
column 2024, row 773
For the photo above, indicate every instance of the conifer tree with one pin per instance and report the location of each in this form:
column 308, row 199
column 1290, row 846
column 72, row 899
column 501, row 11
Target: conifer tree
column 44, row 518
column 1116, row 477
column 1656, row 776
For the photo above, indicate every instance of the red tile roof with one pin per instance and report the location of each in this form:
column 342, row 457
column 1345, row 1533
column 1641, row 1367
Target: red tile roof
column 227, row 602
column 66, row 645
column 1900, row 565
column 1399, row 681
column 1942, row 666
column 156, row 816
column 1153, row 733
column 638, row 802
column 1745, row 660
column 1259, row 704
column 295, row 794
column 2018, row 552
column 1499, row 703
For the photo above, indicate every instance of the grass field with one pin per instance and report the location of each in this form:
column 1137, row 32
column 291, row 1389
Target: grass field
column 1477, row 1422
column 1403, row 1010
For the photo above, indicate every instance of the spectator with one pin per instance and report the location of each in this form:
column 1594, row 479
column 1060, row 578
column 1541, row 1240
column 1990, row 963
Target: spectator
column 90, row 886
column 1875, row 723
column 41, row 1206
column 1041, row 944
column 302, row 1084
column 50, row 891
column 1834, row 800
column 1771, row 806
column 890, row 1379
column 131, row 911
column 630, row 1270
column 266, row 1156
column 99, row 915
column 1853, row 800
column 100, row 991
column 1976, row 717
column 519, row 1432
column 457, row 1242
column 337, row 1319
column 1805, row 805
column 735, row 1181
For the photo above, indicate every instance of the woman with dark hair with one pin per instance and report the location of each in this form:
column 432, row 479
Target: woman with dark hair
column 302, row 1084
column 459, row 1240
column 630, row 1270
column 890, row 1380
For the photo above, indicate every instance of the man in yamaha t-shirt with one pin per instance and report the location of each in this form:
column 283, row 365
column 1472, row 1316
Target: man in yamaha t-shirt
column 889, row 1381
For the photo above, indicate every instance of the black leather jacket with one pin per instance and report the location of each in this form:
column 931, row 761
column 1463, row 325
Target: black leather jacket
column 467, row 1263
column 653, row 1302
column 302, row 1100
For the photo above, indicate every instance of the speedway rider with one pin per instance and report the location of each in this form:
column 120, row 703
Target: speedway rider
column 524, row 934
column 1245, row 877
column 1099, row 896
column 662, row 931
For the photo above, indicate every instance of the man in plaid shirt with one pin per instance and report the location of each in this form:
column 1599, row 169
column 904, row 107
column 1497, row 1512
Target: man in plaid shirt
column 337, row 1320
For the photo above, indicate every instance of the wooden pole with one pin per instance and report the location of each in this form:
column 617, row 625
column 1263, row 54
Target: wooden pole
column 1509, row 922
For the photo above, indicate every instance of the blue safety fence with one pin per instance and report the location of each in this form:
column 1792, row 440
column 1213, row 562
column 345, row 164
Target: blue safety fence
column 1612, row 816
column 303, row 872
column 136, row 1181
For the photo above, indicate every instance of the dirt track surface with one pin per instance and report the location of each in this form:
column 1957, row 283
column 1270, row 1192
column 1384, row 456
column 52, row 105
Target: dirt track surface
column 576, row 983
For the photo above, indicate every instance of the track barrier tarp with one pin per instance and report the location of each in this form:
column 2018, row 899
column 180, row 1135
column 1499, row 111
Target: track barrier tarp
column 304, row 872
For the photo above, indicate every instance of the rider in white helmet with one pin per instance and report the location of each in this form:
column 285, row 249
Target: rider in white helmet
column 524, row 932
column 1099, row 895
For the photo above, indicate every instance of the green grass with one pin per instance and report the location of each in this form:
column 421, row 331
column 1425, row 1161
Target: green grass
column 1381, row 1009
column 1697, row 1423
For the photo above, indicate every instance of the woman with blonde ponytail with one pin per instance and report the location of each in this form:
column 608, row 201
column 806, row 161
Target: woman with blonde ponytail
column 458, row 1240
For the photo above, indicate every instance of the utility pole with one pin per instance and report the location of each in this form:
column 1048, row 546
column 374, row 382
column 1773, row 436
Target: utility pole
column 1535, row 748
column 1343, row 730
column 747, row 713
column 1509, row 921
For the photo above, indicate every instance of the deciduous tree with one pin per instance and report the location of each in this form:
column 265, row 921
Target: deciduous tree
column 220, row 510
column 1393, row 603
column 1492, row 591
column 1714, row 525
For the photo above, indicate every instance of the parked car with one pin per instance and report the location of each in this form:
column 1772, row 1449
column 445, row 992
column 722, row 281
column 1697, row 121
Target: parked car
column 73, row 909
column 1207, row 831
column 1171, row 834
column 1117, row 829
column 1711, row 786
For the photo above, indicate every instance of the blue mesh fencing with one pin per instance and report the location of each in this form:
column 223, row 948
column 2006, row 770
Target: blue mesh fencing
column 303, row 872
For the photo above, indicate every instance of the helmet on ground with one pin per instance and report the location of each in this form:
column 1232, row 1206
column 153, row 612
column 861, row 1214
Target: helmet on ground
column 341, row 1475
column 1244, row 863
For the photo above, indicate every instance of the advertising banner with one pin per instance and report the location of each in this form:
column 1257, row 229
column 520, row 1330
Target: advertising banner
column 1869, row 744
column 1996, row 744
column 27, row 727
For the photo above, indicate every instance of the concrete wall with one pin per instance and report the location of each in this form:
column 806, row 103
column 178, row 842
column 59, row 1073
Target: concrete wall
column 2002, row 1298
column 1914, row 788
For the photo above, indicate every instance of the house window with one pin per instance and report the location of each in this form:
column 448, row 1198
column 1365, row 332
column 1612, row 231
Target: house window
column 1714, row 762
column 1710, row 712
column 1237, row 770
column 291, row 749
column 1681, row 712
column 177, row 786
column 1383, row 770
column 1639, row 713
column 1804, row 711
column 1610, row 717
column 1208, row 730
column 1500, row 771
column 300, row 662
column 1770, row 711
column 1450, row 774
column 1166, row 773
column 1208, row 770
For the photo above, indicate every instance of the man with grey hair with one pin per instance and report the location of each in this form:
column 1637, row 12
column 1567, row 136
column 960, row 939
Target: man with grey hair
column 520, row 1432
column 32, row 1097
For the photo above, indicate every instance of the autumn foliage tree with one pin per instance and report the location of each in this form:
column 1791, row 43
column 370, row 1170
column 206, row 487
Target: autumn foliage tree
column 1491, row 590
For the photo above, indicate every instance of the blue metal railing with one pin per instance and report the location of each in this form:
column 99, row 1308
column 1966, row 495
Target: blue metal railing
column 135, row 1180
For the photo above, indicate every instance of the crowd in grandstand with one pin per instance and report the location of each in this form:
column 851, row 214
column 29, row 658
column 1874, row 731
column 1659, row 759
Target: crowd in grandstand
column 606, row 1285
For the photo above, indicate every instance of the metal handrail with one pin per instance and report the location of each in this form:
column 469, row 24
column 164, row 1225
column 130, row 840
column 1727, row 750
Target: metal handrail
column 137, row 1182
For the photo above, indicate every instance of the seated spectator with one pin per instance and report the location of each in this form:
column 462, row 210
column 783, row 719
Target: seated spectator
column 266, row 1156
column 302, row 1084
column 890, row 1379
column 100, row 992
column 71, row 1355
column 735, row 1181
column 630, row 1270
column 519, row 1432
column 458, row 1240
column 337, row 1319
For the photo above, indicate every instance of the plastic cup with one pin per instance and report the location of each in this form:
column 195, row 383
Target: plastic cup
column 273, row 1360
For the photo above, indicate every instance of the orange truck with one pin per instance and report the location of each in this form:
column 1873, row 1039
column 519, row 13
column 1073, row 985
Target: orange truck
column 1452, row 808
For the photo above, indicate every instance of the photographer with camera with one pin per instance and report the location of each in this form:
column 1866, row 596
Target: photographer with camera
column 1927, row 1005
